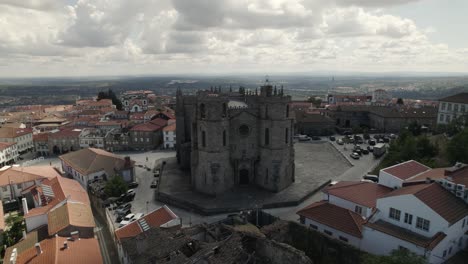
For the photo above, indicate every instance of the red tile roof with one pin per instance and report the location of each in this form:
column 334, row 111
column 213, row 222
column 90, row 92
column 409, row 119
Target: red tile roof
column 362, row 193
column 171, row 127
column 404, row 234
column 5, row 145
column 159, row 122
column 78, row 251
column 11, row 132
column 436, row 197
column 66, row 133
column 41, row 137
column 406, row 169
column 70, row 214
column 156, row 218
column 146, row 127
column 457, row 98
column 459, row 176
column 433, row 174
column 26, row 174
column 335, row 217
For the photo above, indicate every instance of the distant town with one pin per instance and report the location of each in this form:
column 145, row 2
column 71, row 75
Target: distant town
column 235, row 174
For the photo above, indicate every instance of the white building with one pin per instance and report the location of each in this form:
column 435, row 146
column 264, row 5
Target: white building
column 23, row 138
column 169, row 135
column 91, row 163
column 395, row 176
column 381, row 96
column 409, row 213
column 92, row 138
column 8, row 153
column 452, row 107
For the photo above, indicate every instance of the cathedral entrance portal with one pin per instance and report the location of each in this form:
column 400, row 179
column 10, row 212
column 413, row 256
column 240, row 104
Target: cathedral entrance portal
column 244, row 176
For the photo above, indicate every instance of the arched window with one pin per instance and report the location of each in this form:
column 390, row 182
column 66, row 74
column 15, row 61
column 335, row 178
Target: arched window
column 266, row 177
column 203, row 134
column 224, row 110
column 286, row 135
column 267, row 136
column 202, row 111
column 224, row 138
column 287, row 110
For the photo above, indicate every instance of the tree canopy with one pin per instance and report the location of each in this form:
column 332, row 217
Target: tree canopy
column 15, row 232
column 457, row 148
column 115, row 187
column 110, row 95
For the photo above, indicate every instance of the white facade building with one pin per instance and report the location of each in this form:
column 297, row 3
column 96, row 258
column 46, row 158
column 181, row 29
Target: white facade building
column 395, row 176
column 8, row 153
column 169, row 136
column 23, row 138
column 452, row 107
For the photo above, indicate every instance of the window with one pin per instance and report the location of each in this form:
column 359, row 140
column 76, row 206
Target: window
column 462, row 108
column 267, row 136
column 203, row 139
column 328, row 232
column 286, row 135
column 266, row 176
column 463, row 225
column 449, row 108
column 445, row 253
column 450, row 250
column 313, row 226
column 455, row 107
column 441, row 118
column 394, row 214
column 460, row 242
column 447, row 118
column 224, row 110
column 147, row 140
column 224, row 138
column 358, row 209
column 18, row 186
column 422, row 223
column 202, row 111
column 287, row 110
column 343, row 239
column 408, row 218
column 4, row 188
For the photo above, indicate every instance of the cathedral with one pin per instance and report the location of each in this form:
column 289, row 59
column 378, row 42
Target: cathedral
column 229, row 139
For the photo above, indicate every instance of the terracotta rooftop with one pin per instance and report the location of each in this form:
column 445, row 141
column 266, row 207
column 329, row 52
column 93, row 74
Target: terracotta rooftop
column 159, row 121
column 11, row 132
column 25, row 174
column 461, row 98
column 66, row 133
column 362, row 193
column 404, row 234
column 433, row 174
column 406, row 170
column 335, row 217
column 171, row 127
column 91, row 160
column 458, row 176
column 156, row 218
column 70, row 214
column 41, row 137
column 31, row 239
column 147, row 127
column 78, row 251
column 444, row 203
column 5, row 145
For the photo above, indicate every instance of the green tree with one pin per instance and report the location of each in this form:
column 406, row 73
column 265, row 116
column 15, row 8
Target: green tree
column 457, row 148
column 115, row 187
column 315, row 101
column 15, row 230
column 396, row 257
column 110, row 95
column 415, row 128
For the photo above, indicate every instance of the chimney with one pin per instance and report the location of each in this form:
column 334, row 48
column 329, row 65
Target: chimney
column 75, row 235
column 428, row 180
column 38, row 249
column 13, row 256
column 25, row 206
column 24, row 234
column 65, row 245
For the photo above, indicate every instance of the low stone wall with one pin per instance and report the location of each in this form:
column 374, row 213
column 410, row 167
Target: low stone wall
column 278, row 253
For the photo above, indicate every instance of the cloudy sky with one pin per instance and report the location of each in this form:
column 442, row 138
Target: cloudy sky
column 113, row 37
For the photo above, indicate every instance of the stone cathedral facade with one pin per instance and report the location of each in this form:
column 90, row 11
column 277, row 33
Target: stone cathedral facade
column 230, row 139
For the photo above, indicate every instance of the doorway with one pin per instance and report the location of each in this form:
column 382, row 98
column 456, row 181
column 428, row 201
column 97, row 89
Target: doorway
column 244, row 176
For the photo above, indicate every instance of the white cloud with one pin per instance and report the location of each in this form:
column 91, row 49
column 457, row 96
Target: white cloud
column 203, row 35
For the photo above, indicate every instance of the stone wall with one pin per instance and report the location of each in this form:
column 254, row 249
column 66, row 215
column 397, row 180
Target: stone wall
column 278, row 253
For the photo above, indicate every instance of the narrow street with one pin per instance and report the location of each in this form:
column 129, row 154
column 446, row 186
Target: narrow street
column 108, row 249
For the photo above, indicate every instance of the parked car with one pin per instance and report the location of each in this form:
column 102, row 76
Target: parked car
column 133, row 185
column 121, row 214
column 124, row 206
column 332, row 138
column 370, row 148
column 127, row 219
column 157, row 172
column 340, row 142
column 154, row 184
column 347, row 133
column 304, row 138
column 371, row 142
column 358, row 151
column 386, row 139
column 354, row 155
column 364, row 180
column 393, row 136
column 364, row 151
column 366, row 136
column 131, row 192
column 139, row 215
column 316, row 138
column 370, row 177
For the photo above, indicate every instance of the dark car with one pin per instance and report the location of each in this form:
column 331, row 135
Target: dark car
column 373, row 178
column 358, row 151
column 315, row 138
column 366, row 136
column 133, row 185
column 365, row 151
column 347, row 133
column 120, row 217
column 386, row 139
column 125, row 206
column 371, row 142
column 370, row 148
column 157, row 172
column 332, row 138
